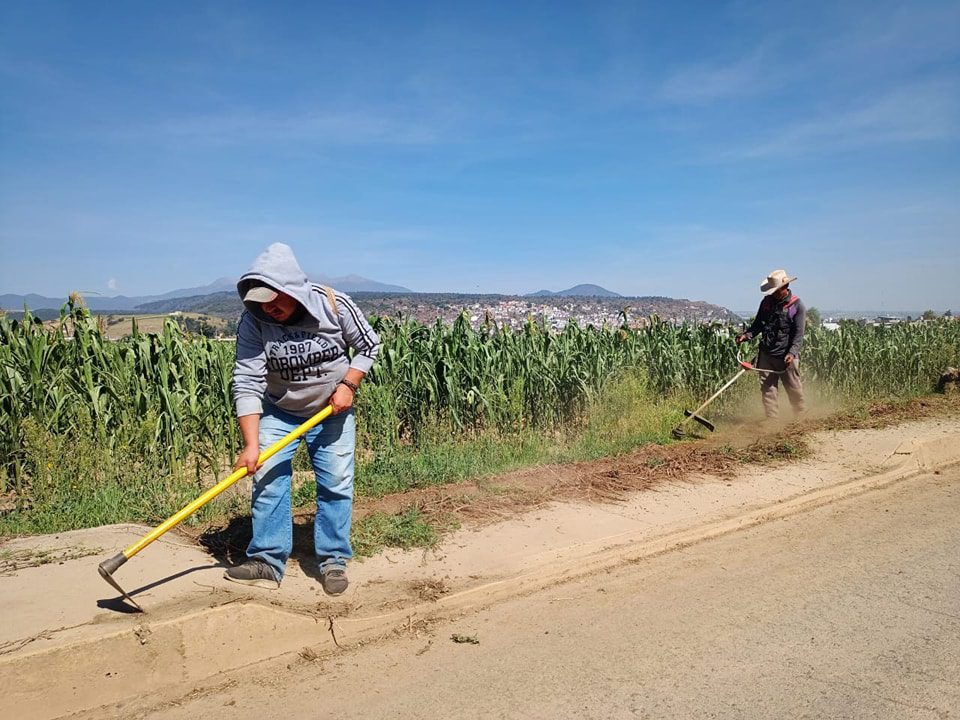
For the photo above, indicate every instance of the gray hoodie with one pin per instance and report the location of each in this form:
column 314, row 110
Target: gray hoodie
column 296, row 366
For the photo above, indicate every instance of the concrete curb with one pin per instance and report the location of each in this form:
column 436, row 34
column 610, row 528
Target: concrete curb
column 203, row 644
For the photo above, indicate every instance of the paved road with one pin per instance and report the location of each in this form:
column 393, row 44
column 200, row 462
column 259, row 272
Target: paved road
column 849, row 611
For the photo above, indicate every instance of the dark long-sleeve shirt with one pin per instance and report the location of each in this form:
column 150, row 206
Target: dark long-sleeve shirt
column 780, row 325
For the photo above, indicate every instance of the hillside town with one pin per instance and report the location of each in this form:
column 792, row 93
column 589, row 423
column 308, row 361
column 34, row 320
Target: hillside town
column 555, row 312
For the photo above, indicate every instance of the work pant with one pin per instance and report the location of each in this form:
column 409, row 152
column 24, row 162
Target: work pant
column 790, row 378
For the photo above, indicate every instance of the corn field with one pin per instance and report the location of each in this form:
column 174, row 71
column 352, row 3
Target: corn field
column 166, row 396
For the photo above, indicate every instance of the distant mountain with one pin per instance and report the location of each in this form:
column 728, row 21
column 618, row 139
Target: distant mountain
column 223, row 304
column 40, row 302
column 218, row 285
column 356, row 283
column 586, row 290
column 123, row 303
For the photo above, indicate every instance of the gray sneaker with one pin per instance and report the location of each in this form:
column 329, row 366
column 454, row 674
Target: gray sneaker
column 334, row 579
column 253, row 572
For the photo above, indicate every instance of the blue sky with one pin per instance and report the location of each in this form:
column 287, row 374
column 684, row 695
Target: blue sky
column 680, row 149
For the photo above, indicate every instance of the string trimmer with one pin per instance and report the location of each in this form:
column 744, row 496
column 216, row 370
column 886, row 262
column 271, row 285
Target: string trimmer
column 108, row 567
column 745, row 367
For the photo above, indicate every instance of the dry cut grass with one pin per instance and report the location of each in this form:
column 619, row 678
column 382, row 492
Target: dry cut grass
column 612, row 480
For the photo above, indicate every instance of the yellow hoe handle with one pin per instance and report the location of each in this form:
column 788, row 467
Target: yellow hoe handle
column 210, row 494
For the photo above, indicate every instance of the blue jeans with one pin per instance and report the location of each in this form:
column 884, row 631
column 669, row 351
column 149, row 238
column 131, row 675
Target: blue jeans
column 331, row 449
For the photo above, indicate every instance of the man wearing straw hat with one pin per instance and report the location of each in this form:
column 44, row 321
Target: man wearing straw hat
column 780, row 323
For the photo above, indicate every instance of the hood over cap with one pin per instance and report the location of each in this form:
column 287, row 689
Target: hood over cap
column 277, row 268
column 296, row 365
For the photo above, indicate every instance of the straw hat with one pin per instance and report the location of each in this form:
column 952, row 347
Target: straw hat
column 775, row 280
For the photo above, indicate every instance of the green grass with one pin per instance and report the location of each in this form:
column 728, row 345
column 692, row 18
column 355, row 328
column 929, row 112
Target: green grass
column 76, row 483
column 405, row 530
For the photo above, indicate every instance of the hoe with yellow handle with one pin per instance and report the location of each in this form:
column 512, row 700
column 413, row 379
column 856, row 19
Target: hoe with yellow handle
column 108, row 567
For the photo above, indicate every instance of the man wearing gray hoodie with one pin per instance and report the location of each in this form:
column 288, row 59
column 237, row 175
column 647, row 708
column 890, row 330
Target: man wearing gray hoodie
column 294, row 357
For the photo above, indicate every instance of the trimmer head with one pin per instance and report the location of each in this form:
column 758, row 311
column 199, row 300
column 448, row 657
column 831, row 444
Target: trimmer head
column 678, row 432
column 702, row 420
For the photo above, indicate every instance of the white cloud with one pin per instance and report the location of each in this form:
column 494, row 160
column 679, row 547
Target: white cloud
column 314, row 126
column 906, row 35
column 704, row 83
column 916, row 113
column 112, row 284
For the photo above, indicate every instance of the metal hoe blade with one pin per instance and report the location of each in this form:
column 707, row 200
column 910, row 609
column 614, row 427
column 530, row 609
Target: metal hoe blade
column 106, row 569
